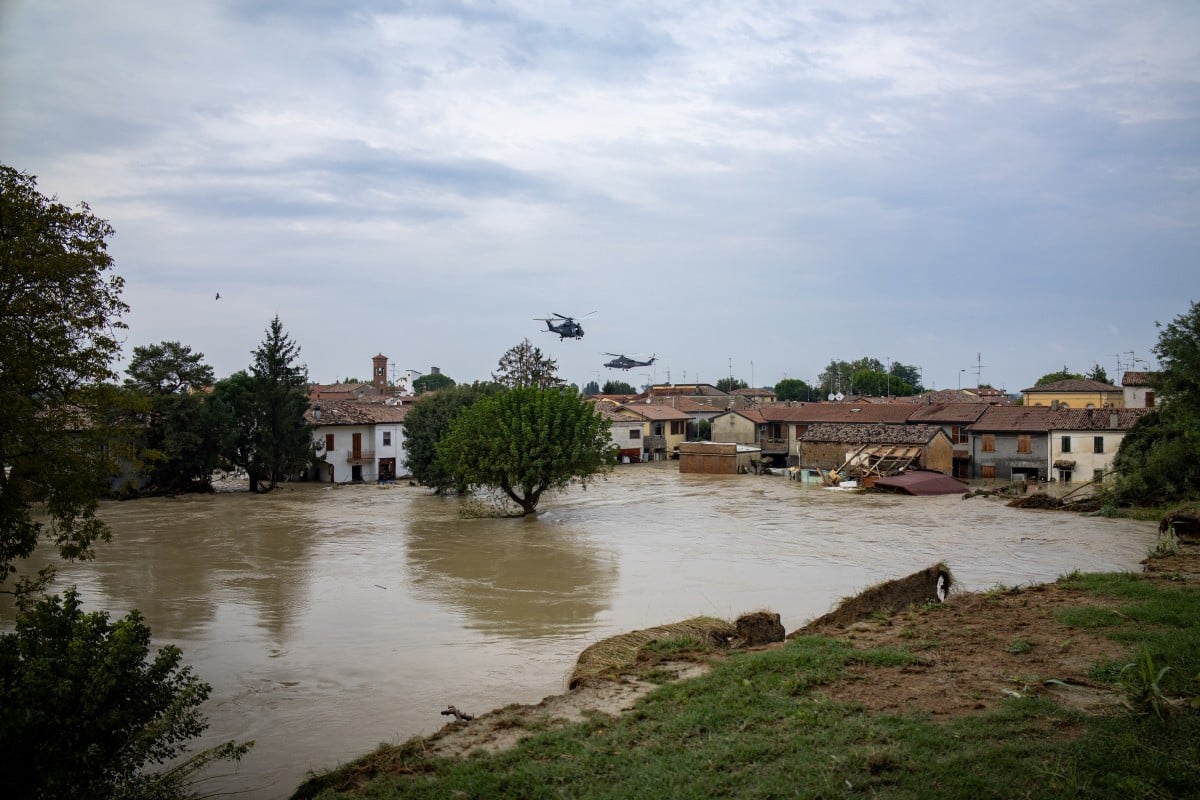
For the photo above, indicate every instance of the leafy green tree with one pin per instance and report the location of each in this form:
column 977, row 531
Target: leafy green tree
column 908, row 373
column 793, row 389
column 1063, row 374
column 836, row 377
column 879, row 384
column 432, row 382
column 235, row 412
column 704, row 430
column 1098, row 373
column 590, row 388
column 87, row 708
column 618, row 387
column 1157, row 461
column 427, row 422
column 181, row 438
column 526, row 365
column 60, row 323
column 728, row 385
column 527, row 441
column 282, row 439
column 82, row 713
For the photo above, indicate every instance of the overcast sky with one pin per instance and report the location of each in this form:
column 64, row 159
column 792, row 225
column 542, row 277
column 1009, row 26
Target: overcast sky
column 746, row 188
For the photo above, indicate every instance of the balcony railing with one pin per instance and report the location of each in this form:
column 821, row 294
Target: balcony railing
column 773, row 444
column 360, row 456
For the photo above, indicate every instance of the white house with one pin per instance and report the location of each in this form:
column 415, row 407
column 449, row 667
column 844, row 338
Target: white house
column 358, row 441
column 1083, row 441
column 1139, row 391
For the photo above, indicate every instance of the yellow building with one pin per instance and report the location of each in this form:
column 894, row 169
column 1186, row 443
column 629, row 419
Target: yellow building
column 1075, row 393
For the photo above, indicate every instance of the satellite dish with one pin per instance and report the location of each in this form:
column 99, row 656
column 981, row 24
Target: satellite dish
column 830, row 396
column 839, row 397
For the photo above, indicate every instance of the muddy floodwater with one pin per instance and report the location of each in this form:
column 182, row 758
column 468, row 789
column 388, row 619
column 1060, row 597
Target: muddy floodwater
column 330, row 619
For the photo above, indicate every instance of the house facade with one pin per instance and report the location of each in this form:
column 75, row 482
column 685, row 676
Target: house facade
column 1011, row 443
column 663, row 428
column 1075, row 393
column 1138, row 389
column 625, row 432
column 1083, row 442
column 358, row 442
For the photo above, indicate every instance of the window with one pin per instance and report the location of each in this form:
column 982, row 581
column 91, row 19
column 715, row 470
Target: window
column 677, row 427
column 658, row 429
column 958, row 434
column 988, row 471
column 1064, row 475
column 989, row 443
column 635, row 433
column 1024, row 444
column 1097, row 474
column 329, row 442
column 1097, row 444
column 387, row 438
column 1066, row 448
column 1149, row 399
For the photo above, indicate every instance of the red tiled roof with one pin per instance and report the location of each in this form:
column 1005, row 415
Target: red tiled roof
column 1004, row 419
column 1096, row 419
column 1138, row 379
column 655, row 411
column 1074, row 385
column 348, row 412
column 948, row 412
column 837, row 412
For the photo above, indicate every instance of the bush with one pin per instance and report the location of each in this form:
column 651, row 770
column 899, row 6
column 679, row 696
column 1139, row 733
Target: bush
column 87, row 709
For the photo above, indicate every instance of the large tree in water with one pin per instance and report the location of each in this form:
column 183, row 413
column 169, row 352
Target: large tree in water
column 262, row 412
column 527, row 441
column 283, row 438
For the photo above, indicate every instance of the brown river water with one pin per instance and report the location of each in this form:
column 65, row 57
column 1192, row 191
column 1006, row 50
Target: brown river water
column 330, row 619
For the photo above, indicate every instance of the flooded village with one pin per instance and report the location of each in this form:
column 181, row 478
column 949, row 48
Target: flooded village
column 1065, row 431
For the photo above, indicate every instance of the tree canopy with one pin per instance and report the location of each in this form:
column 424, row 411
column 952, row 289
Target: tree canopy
column 1063, row 374
column 527, row 441
column 793, row 389
column 85, row 707
column 618, row 387
column 60, row 323
column 180, row 441
column 1157, row 460
column 260, row 412
column 431, row 383
column 525, row 365
column 731, row 384
column 427, row 422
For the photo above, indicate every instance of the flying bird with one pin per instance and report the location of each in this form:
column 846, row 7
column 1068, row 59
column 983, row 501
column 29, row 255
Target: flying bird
column 218, row 297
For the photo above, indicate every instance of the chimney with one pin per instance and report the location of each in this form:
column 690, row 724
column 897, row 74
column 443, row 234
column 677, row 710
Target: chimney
column 1114, row 420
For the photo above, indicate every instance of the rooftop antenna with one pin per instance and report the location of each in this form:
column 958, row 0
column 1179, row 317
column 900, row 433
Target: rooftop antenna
column 978, row 370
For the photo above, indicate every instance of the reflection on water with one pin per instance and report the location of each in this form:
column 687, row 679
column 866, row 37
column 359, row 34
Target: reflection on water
column 330, row 619
column 524, row 580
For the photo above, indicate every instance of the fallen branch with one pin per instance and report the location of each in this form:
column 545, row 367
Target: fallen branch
column 454, row 712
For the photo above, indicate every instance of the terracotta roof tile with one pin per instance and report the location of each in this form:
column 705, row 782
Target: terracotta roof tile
column 948, row 413
column 1074, row 385
column 1006, row 419
column 1096, row 419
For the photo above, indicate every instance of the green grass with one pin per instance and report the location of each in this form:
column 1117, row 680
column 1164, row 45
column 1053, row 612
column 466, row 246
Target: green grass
column 760, row 726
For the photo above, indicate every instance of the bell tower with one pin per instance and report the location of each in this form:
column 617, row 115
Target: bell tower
column 379, row 373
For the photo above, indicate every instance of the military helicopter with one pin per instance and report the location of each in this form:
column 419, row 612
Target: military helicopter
column 567, row 328
column 621, row 361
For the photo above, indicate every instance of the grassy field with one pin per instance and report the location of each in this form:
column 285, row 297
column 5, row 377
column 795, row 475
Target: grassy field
column 801, row 719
